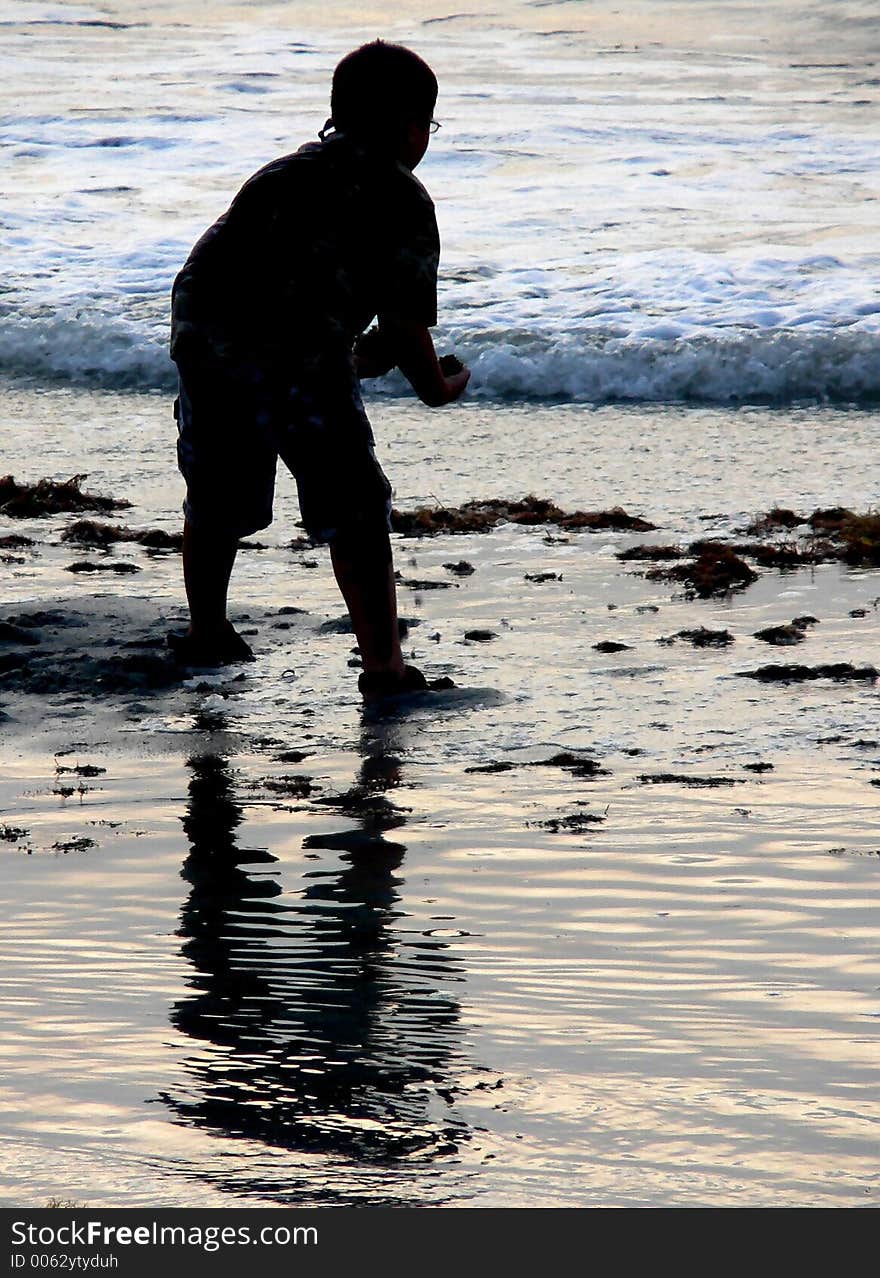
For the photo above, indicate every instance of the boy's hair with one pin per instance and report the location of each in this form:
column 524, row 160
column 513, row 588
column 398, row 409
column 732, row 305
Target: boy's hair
column 379, row 89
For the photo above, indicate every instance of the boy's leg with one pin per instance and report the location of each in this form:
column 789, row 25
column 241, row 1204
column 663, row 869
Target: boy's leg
column 345, row 500
column 208, row 559
column 226, row 453
column 365, row 575
column 211, row 640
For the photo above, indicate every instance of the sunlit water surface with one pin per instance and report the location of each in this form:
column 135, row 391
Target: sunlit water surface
column 280, row 951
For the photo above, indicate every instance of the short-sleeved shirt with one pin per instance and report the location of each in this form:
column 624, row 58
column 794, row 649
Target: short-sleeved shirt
column 314, row 246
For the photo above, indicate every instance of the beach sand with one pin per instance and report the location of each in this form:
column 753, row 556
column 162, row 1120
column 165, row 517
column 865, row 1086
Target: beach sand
column 595, row 927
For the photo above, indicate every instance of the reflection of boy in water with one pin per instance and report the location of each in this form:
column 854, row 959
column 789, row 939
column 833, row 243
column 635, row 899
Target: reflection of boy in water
column 268, row 313
column 329, row 1029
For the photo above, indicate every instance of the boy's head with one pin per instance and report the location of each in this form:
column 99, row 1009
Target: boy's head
column 380, row 92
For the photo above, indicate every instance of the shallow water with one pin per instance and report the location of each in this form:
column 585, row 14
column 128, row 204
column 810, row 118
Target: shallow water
column 400, row 981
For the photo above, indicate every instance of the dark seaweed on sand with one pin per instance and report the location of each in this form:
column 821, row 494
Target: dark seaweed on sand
column 835, row 533
column 573, row 823
column 782, row 636
column 577, row 764
column 773, row 520
column 81, row 844
column 291, row 786
column 51, row 497
column 373, row 811
column 490, row 767
column 342, row 625
column 85, row 565
column 12, row 833
column 87, row 532
column 840, row 670
column 784, row 554
column 695, row 782
column 414, row 584
column 859, row 536
column 716, row 570
column 482, row 516
column 81, row 770
column 700, row 638
column 657, row 554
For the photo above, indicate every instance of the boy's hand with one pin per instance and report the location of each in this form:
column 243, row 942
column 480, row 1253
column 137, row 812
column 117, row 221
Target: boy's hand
column 435, row 381
column 455, row 374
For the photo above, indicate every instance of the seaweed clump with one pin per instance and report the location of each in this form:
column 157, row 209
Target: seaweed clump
column 291, row 786
column 578, row 765
column 786, row 554
column 692, row 781
column 12, row 833
column 483, row 516
column 786, row 635
column 701, row 637
column 51, row 497
column 88, row 532
column 859, row 536
column 573, row 823
column 655, row 553
column 84, row 565
column 839, row 670
column 374, row 812
column 716, row 570
column 836, row 532
column 773, row 520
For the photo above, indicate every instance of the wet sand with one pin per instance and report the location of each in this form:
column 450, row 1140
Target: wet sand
column 597, row 926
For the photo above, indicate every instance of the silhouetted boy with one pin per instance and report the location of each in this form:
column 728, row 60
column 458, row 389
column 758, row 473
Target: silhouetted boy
column 267, row 318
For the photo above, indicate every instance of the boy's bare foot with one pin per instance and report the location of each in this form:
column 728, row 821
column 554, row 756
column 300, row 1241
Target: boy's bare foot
column 223, row 649
column 374, row 685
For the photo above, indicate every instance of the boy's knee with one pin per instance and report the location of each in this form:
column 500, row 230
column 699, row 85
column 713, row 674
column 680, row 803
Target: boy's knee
column 369, row 545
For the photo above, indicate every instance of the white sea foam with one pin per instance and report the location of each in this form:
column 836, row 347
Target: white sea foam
column 97, row 351
column 730, row 366
column 739, row 367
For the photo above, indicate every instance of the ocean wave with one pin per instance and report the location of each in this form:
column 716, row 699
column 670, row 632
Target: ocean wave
column 730, row 366
column 87, row 350
column 781, row 366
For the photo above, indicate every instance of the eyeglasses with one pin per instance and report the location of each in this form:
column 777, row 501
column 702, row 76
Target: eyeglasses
column 433, row 126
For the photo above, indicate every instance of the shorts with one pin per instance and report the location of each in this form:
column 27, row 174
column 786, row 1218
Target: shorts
column 235, row 421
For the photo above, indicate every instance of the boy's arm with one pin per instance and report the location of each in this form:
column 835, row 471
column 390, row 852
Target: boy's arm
column 436, row 382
